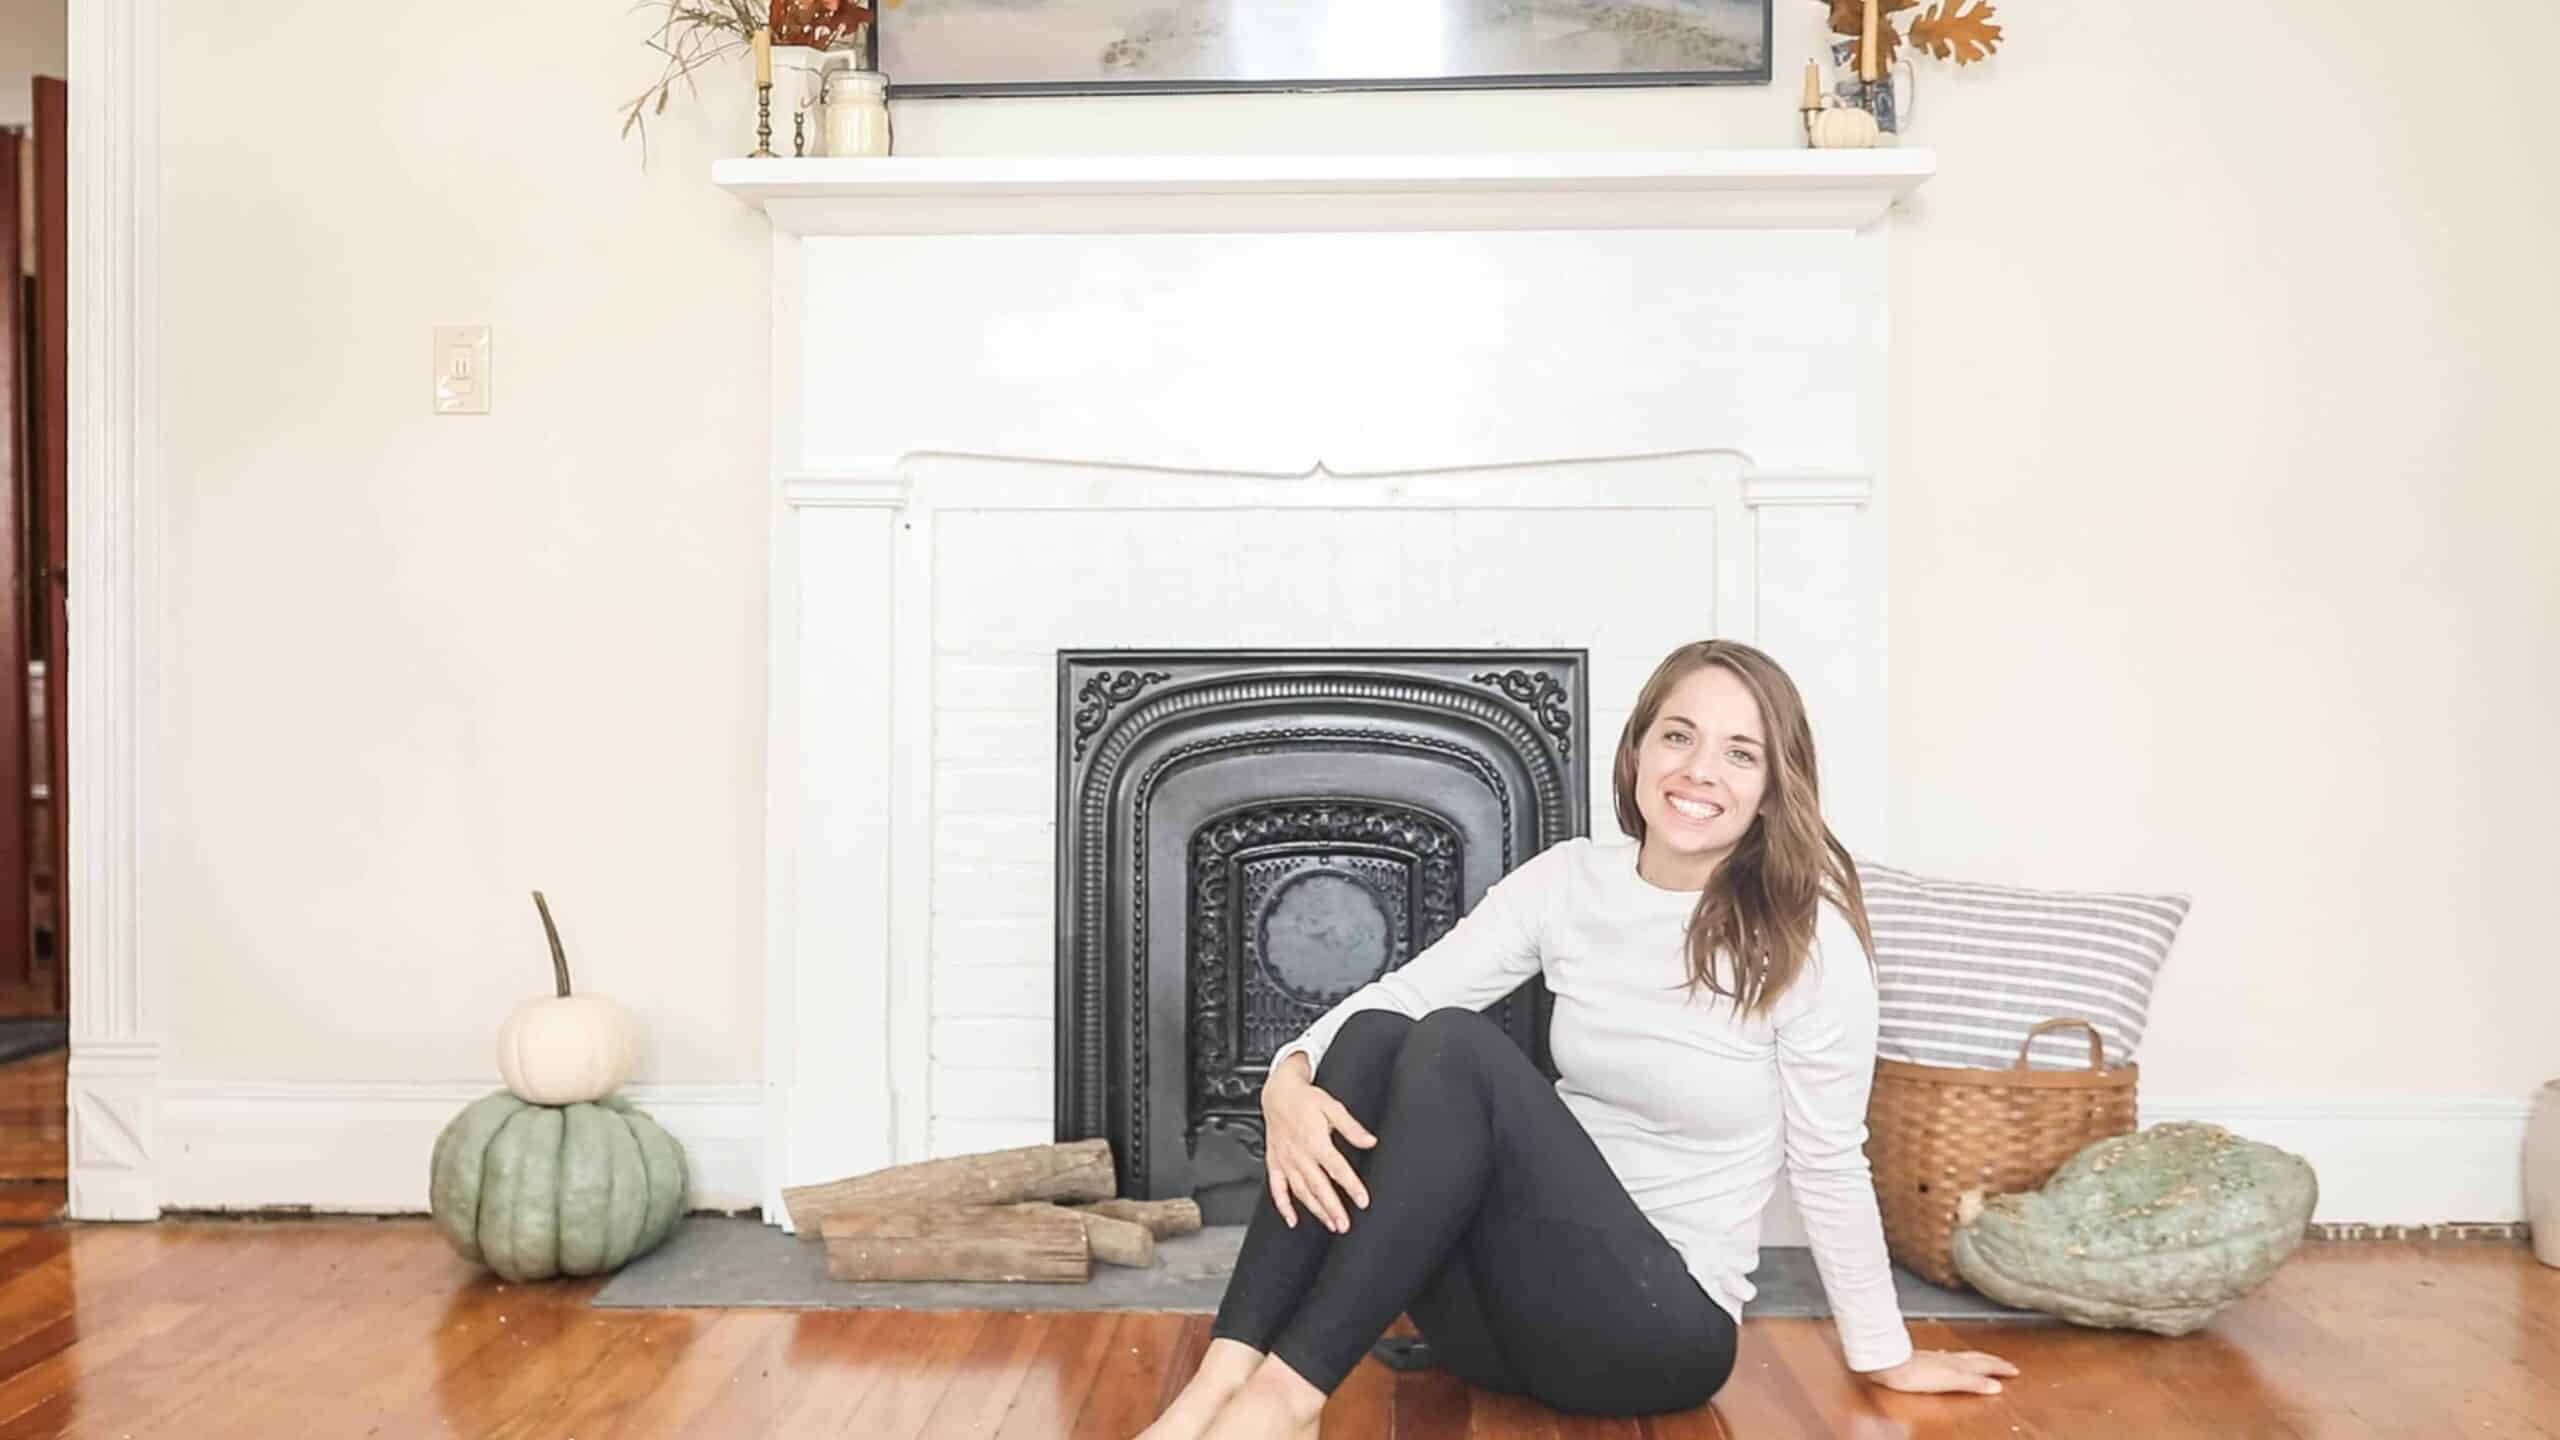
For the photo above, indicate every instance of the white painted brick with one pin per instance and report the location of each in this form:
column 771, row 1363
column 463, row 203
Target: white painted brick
column 999, row 839
column 992, row 892
column 974, row 1094
column 1632, row 571
column 1013, row 738
column 1169, row 579
column 984, row 565
column 1392, row 573
column 976, row 1137
column 968, row 942
column 1278, row 589
column 994, row 1043
column 1605, row 725
column 994, row 789
column 1035, row 581
column 1025, row 992
column 1180, row 593
column 983, row 681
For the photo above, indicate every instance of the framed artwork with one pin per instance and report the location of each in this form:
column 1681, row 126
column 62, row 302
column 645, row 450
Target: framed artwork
column 1103, row 47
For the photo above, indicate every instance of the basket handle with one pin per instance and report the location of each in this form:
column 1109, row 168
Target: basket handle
column 2097, row 1046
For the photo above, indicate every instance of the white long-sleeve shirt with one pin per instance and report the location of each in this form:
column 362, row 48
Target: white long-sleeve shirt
column 1694, row 1109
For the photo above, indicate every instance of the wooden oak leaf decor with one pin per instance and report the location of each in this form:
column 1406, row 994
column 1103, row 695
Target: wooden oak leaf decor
column 1952, row 32
column 1849, row 17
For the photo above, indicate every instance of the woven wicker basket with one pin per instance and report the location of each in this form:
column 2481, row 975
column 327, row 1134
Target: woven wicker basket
column 1935, row 1132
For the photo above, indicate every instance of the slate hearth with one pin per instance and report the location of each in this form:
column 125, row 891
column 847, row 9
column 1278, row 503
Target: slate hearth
column 716, row 1262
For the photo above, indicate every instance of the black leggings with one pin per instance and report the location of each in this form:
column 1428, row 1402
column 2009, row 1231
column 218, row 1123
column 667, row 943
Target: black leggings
column 1494, row 1221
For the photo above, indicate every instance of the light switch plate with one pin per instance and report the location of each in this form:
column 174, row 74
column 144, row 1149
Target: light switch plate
column 462, row 370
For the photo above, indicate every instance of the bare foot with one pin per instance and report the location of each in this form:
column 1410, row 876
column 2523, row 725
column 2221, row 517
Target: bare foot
column 1276, row 1404
column 1225, row 1368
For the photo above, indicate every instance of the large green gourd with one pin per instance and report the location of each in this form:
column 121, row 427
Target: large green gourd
column 534, row 1191
column 2153, row 1231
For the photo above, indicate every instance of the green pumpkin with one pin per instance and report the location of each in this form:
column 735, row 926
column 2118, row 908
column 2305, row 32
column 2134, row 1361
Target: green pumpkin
column 534, row 1191
column 2153, row 1231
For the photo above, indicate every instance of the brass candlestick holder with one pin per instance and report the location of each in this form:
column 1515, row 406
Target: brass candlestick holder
column 764, row 123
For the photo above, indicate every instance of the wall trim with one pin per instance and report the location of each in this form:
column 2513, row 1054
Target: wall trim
column 359, row 1148
column 2449, row 1168
column 247, row 1146
column 116, row 1021
column 2382, row 1161
column 1787, row 187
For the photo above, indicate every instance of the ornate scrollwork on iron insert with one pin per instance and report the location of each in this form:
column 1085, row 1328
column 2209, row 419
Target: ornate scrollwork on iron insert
column 1546, row 699
column 1105, row 692
column 1245, row 1130
column 1239, row 1015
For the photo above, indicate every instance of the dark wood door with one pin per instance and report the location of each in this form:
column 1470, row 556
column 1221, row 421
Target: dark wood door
column 30, row 987
column 52, row 414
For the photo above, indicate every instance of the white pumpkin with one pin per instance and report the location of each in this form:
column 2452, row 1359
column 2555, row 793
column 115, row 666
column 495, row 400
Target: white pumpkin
column 1845, row 127
column 566, row 1049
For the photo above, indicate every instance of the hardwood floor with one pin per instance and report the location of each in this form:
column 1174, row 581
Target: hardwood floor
column 34, row 1138
column 34, row 1132
column 375, row 1329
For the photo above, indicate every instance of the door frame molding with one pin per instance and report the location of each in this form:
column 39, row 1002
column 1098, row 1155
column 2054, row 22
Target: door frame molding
column 118, row 1021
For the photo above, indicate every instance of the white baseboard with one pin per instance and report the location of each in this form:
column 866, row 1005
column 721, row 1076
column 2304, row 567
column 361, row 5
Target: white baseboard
column 111, row 1095
column 2387, row 1162
column 2380, row 1162
column 363, row 1149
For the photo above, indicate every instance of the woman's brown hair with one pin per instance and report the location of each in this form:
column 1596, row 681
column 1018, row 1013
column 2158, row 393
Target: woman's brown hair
column 1760, row 906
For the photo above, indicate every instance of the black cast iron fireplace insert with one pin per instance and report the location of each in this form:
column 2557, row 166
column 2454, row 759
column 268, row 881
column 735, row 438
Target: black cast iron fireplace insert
column 1245, row 837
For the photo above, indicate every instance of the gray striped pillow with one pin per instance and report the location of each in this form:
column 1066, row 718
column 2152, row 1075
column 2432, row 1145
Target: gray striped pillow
column 1964, row 971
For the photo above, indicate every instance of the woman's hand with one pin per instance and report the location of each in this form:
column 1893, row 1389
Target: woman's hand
column 1299, row 1157
column 1933, row 1372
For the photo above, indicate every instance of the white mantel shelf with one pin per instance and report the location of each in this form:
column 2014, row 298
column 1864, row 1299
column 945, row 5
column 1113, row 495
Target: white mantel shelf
column 1653, row 189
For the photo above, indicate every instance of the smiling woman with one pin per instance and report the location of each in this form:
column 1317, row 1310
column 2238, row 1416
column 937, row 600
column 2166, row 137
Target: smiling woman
column 1064, row 46
column 1717, row 764
column 1590, row 1241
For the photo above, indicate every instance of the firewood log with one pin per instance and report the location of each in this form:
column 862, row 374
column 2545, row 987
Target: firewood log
column 1163, row 1218
column 1113, row 1242
column 1117, row 1242
column 1077, row 1171
column 1018, row 1243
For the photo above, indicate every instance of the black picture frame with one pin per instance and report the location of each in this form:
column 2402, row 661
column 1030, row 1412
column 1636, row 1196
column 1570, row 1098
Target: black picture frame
column 882, row 54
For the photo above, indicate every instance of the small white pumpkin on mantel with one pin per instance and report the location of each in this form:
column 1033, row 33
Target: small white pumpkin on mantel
column 566, row 1049
column 1844, row 127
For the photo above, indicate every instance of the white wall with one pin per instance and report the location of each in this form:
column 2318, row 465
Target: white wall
column 2222, row 521
column 416, row 666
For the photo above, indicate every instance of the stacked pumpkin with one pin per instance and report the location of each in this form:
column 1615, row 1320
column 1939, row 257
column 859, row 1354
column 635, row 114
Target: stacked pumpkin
column 557, row 1175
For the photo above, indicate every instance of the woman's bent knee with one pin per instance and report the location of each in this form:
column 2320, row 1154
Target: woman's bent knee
column 1367, row 1043
column 1453, row 1034
column 1451, row 1025
column 1370, row 1030
column 1374, row 1024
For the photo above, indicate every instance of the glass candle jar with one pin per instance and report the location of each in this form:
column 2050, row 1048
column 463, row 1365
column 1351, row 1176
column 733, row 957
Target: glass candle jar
column 856, row 113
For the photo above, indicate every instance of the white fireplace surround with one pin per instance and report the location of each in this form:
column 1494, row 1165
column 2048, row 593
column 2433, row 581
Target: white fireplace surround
column 1610, row 402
